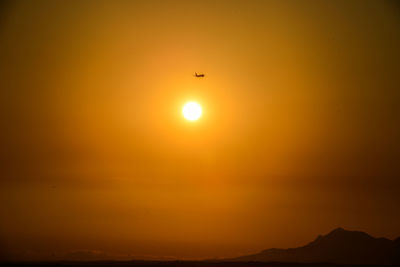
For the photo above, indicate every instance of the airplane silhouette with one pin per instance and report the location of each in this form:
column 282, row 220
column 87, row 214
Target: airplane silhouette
column 201, row 75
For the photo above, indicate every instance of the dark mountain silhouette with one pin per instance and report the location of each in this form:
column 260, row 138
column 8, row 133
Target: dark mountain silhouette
column 338, row 246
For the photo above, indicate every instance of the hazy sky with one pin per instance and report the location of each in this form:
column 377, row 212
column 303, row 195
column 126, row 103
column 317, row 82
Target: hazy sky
column 300, row 131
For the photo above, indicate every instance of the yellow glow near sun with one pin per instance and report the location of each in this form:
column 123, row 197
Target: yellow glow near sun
column 192, row 111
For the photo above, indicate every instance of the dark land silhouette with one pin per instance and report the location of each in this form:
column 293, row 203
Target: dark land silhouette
column 339, row 246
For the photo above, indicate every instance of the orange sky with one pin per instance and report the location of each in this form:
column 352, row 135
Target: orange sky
column 299, row 133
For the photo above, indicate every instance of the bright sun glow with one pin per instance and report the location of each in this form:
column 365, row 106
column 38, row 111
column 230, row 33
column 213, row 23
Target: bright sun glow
column 192, row 111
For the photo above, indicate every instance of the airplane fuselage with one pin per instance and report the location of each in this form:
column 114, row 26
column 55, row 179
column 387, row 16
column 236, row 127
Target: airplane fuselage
column 199, row 75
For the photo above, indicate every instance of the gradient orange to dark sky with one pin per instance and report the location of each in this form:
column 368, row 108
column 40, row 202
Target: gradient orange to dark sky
column 300, row 130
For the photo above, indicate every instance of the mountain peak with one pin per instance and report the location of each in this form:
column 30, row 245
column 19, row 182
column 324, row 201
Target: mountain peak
column 339, row 229
column 340, row 236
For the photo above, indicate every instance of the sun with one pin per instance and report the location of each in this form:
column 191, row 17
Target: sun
column 192, row 111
